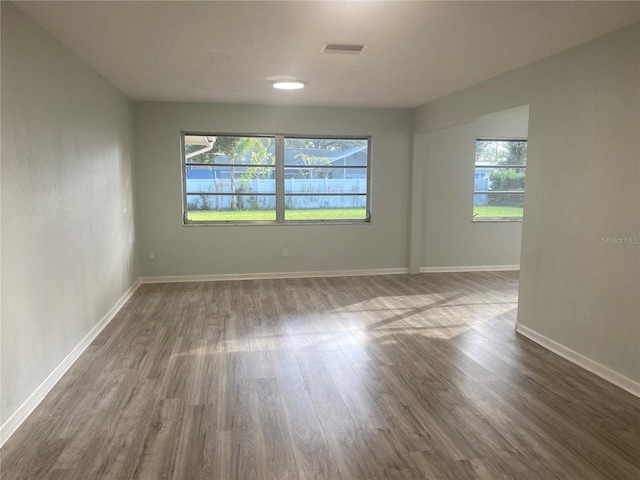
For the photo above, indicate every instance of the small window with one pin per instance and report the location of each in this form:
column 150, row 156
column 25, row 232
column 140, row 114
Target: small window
column 498, row 193
column 277, row 179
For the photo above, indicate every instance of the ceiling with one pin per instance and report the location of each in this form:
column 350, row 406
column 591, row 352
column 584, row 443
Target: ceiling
column 223, row 51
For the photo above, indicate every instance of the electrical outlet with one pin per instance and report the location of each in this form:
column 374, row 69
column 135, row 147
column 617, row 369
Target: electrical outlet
column 285, row 252
column 152, row 255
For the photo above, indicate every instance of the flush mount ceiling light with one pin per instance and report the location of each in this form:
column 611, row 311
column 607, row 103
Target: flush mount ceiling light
column 286, row 82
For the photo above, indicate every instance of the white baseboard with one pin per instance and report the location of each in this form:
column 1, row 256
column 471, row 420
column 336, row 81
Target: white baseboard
column 592, row 366
column 475, row 268
column 29, row 405
column 272, row 275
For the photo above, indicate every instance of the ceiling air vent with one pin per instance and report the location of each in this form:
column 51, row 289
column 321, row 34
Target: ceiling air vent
column 344, row 48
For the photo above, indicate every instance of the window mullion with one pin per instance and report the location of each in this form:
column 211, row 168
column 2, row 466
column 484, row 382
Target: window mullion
column 280, row 178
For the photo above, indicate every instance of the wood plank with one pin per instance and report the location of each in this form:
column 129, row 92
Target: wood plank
column 276, row 459
column 307, row 437
column 160, row 448
column 196, row 458
column 324, row 395
column 360, row 404
column 287, row 371
column 354, row 459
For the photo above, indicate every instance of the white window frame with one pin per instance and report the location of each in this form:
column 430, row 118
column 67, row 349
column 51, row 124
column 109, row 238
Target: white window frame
column 279, row 179
column 476, row 219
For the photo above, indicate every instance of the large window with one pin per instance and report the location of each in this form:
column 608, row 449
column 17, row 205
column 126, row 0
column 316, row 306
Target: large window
column 498, row 193
column 274, row 179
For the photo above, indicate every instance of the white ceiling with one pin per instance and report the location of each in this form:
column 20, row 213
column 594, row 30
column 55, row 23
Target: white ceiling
column 223, row 51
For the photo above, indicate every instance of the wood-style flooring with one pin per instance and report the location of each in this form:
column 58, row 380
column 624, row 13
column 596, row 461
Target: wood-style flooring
column 400, row 377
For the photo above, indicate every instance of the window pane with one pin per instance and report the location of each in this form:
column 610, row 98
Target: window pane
column 324, row 169
column 231, row 208
column 325, row 207
column 500, row 179
column 229, row 149
column 224, row 179
column 498, row 205
column 324, row 185
column 314, row 152
column 501, row 152
column 499, row 168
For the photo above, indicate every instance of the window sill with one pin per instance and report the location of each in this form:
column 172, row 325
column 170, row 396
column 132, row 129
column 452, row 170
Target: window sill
column 275, row 224
column 496, row 219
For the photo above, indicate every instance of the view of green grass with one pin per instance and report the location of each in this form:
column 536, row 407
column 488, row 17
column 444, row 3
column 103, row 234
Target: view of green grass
column 491, row 211
column 270, row 215
column 231, row 215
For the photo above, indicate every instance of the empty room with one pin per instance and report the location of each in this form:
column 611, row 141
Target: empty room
column 320, row 239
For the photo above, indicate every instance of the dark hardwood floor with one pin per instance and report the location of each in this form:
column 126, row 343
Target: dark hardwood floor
column 408, row 377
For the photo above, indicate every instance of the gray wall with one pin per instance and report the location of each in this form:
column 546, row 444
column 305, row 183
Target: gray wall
column 202, row 250
column 582, row 185
column 67, row 203
column 449, row 238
